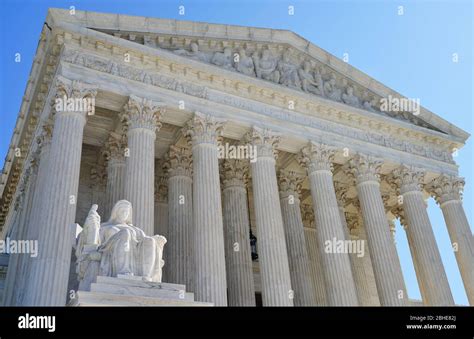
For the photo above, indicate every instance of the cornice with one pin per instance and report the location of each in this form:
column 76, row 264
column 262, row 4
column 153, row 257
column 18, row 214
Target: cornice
column 201, row 30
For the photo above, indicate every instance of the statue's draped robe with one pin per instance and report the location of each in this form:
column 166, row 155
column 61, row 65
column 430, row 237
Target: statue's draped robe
column 123, row 248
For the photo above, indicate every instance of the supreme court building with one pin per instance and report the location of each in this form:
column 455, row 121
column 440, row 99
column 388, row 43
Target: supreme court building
column 274, row 169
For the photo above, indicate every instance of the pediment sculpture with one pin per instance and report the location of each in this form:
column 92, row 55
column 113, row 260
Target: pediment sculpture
column 117, row 247
column 285, row 68
column 282, row 70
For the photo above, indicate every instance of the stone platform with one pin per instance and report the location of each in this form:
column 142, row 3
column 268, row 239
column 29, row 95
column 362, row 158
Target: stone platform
column 134, row 291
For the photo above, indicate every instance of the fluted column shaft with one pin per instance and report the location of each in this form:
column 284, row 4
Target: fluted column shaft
column 114, row 154
column 447, row 191
column 434, row 286
column 340, row 287
column 357, row 267
column 295, row 240
column 240, row 284
column 316, row 269
column 33, row 227
column 209, row 255
column 180, row 265
column 272, row 252
column 388, row 277
column 142, row 118
column 60, row 200
column 461, row 236
column 370, row 296
column 16, row 264
column 115, row 187
column 361, row 264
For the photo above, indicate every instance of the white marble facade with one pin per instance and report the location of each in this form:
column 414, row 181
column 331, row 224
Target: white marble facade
column 321, row 161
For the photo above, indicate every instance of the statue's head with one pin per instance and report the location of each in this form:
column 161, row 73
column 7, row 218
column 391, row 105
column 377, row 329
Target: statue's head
column 121, row 213
column 194, row 47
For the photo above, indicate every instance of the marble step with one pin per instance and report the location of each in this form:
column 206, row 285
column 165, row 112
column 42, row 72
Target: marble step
column 138, row 282
column 85, row 298
column 146, row 291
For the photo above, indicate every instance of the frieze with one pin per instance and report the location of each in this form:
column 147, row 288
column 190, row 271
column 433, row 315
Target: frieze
column 166, row 82
column 284, row 66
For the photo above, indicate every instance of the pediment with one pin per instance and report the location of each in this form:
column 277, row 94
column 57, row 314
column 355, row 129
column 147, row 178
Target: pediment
column 277, row 56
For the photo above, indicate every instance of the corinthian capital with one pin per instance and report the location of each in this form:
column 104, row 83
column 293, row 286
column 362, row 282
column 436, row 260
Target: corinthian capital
column 365, row 168
column 317, row 157
column 179, row 162
column 341, row 192
column 203, row 129
column 400, row 215
column 234, row 172
column 114, row 147
column 446, row 188
column 142, row 113
column 407, row 179
column 265, row 140
column 74, row 96
column 290, row 184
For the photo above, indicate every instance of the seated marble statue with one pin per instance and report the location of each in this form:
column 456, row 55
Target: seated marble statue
column 223, row 59
column 194, row 53
column 370, row 104
column 349, row 98
column 331, row 90
column 118, row 247
column 310, row 83
column 265, row 67
column 245, row 64
column 288, row 72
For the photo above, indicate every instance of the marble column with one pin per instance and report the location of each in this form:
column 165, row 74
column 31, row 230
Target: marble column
column 362, row 265
column 60, row 198
column 114, row 154
column 272, row 252
column 240, row 284
column 314, row 256
column 357, row 268
column 142, row 119
column 161, row 198
column 209, row 254
column 447, row 192
column 388, row 276
column 340, row 287
column 161, row 210
column 22, row 206
column 180, row 263
column 434, row 286
column 44, row 141
column 290, row 187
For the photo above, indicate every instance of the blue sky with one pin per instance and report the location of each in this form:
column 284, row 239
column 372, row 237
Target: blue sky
column 411, row 53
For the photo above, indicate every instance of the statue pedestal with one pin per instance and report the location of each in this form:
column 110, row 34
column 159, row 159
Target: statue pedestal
column 134, row 291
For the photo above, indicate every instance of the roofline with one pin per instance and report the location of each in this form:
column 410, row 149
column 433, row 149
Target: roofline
column 100, row 20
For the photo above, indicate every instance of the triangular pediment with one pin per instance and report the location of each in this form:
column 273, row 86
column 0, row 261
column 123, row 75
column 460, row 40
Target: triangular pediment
column 278, row 56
